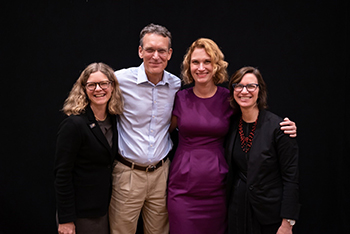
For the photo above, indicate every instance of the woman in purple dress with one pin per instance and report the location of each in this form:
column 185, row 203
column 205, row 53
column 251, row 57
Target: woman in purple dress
column 196, row 189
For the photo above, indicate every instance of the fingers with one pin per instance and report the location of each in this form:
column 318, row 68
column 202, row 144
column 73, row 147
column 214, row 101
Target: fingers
column 287, row 122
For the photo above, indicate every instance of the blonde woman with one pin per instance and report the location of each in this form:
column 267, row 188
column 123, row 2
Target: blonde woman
column 86, row 147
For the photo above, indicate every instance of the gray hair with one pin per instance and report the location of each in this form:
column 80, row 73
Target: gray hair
column 156, row 29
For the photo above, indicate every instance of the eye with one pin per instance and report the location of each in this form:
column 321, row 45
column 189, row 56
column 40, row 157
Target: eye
column 162, row 51
column 149, row 50
column 104, row 84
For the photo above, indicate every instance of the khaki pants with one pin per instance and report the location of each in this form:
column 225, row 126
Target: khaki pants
column 135, row 191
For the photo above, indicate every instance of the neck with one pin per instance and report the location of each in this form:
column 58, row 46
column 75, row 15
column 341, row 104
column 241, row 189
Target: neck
column 154, row 78
column 250, row 115
column 99, row 112
column 205, row 90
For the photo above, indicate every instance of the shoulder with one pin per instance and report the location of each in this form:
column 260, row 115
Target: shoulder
column 269, row 120
column 272, row 117
column 223, row 91
column 173, row 80
column 126, row 73
column 73, row 121
column 184, row 92
column 223, row 95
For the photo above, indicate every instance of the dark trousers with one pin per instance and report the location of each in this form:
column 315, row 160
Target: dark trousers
column 92, row 225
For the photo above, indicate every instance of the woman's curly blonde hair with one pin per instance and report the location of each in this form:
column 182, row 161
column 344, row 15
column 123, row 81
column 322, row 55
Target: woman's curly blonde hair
column 78, row 100
column 217, row 59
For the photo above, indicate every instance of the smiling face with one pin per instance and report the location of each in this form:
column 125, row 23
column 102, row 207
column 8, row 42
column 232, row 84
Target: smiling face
column 244, row 98
column 201, row 67
column 99, row 97
column 155, row 53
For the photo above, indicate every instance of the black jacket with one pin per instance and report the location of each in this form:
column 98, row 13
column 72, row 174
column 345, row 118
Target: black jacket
column 272, row 170
column 83, row 167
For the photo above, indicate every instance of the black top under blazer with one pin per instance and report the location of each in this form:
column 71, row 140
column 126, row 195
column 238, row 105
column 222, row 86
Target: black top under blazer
column 272, row 170
column 83, row 167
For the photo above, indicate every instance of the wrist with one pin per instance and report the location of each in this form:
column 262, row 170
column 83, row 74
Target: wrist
column 291, row 222
column 288, row 223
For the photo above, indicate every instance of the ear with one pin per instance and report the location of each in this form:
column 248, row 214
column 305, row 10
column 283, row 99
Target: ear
column 140, row 52
column 170, row 53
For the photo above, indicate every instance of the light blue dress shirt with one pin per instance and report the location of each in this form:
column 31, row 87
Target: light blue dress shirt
column 143, row 126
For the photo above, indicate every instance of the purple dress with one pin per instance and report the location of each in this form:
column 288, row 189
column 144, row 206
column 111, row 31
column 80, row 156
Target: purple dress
column 196, row 189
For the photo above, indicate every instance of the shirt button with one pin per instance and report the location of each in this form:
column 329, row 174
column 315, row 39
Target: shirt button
column 251, row 188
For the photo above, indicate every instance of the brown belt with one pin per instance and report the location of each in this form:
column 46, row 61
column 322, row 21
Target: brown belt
column 148, row 168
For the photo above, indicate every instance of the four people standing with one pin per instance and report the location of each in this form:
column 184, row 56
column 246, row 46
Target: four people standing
column 197, row 191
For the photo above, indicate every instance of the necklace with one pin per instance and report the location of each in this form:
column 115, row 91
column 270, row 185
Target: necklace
column 246, row 142
column 98, row 119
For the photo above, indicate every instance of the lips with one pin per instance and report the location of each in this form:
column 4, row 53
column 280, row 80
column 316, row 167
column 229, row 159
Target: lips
column 202, row 74
column 245, row 98
column 99, row 95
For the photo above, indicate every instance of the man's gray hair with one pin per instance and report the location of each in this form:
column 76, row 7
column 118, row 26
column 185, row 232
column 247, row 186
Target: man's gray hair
column 156, row 29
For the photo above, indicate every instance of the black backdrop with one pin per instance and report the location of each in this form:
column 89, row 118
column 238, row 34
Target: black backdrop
column 301, row 48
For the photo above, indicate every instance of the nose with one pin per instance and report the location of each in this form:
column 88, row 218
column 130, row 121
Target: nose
column 155, row 54
column 246, row 90
column 201, row 66
column 98, row 87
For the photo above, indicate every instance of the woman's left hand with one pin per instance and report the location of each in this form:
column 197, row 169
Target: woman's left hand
column 285, row 228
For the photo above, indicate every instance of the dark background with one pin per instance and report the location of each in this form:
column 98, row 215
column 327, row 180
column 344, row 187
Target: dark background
column 301, row 48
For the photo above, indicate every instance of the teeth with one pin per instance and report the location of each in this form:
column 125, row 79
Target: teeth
column 245, row 97
column 101, row 95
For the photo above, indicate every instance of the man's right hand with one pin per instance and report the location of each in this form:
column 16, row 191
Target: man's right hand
column 66, row 228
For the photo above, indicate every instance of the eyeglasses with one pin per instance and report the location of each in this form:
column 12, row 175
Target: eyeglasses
column 103, row 85
column 161, row 52
column 250, row 87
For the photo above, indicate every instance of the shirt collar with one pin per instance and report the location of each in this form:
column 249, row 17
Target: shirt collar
column 142, row 77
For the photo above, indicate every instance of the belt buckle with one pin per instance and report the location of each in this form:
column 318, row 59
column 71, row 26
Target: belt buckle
column 150, row 168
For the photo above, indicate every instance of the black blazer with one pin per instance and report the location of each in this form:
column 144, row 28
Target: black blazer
column 83, row 167
column 272, row 170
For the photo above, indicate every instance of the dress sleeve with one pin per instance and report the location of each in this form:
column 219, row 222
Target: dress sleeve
column 67, row 147
column 288, row 153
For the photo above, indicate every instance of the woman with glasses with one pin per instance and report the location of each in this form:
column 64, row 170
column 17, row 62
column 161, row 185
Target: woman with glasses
column 85, row 150
column 263, row 162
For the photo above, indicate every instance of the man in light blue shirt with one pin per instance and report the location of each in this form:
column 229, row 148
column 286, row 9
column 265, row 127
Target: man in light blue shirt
column 140, row 176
